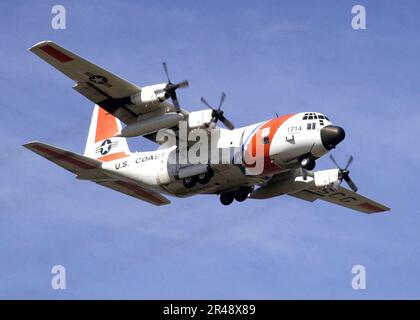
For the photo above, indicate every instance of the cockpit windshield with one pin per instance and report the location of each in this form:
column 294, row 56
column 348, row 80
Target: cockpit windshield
column 313, row 116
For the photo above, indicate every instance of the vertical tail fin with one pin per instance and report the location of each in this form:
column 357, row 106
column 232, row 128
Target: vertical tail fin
column 101, row 143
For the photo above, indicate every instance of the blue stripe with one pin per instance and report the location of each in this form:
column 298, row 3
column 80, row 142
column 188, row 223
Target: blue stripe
column 249, row 136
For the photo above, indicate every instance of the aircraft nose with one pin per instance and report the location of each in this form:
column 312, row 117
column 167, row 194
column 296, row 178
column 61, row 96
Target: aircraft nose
column 331, row 136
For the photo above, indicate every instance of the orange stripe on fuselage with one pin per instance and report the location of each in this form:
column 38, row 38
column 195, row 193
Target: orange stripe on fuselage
column 106, row 125
column 274, row 125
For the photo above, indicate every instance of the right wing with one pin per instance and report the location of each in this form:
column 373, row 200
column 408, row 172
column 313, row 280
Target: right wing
column 342, row 197
column 90, row 169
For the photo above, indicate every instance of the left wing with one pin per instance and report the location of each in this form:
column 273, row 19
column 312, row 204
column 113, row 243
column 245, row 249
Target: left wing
column 342, row 197
column 100, row 86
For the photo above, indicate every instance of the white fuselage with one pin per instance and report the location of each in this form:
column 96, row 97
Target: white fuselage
column 279, row 143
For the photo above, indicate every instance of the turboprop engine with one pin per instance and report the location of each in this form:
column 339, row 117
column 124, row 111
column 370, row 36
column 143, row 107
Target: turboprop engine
column 150, row 95
column 158, row 93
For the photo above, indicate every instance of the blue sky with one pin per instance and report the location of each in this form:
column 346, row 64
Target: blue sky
column 269, row 57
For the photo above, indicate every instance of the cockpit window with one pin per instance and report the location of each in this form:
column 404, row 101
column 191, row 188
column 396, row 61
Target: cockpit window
column 312, row 116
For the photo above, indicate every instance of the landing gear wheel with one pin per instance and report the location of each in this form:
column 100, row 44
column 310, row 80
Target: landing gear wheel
column 241, row 195
column 308, row 163
column 226, row 198
column 190, row 182
column 204, row 178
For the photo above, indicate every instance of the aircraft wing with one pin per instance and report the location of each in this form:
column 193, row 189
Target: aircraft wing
column 342, row 197
column 136, row 191
column 90, row 169
column 100, row 86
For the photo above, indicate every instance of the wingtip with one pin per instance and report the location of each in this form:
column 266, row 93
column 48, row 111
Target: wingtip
column 30, row 144
column 38, row 44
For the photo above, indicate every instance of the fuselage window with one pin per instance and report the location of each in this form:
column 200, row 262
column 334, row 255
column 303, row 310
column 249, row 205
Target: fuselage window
column 266, row 140
column 313, row 126
column 309, row 126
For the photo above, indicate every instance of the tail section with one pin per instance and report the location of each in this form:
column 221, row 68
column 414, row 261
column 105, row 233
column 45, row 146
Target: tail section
column 101, row 143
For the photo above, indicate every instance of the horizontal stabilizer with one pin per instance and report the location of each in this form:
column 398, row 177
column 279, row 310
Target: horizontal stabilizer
column 90, row 169
column 68, row 160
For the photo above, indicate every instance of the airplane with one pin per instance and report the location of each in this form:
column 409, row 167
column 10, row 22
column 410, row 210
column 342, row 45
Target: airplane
column 283, row 150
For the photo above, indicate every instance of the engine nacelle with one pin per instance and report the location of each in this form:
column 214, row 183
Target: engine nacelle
column 150, row 95
column 143, row 127
column 327, row 178
column 200, row 119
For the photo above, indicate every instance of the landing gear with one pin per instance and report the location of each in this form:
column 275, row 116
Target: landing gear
column 308, row 163
column 239, row 195
column 242, row 194
column 190, row 182
column 227, row 198
column 204, row 178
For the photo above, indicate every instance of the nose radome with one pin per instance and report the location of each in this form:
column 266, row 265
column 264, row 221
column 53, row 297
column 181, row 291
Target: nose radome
column 331, row 136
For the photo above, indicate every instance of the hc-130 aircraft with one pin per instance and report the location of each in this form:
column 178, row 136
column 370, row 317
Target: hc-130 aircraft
column 289, row 145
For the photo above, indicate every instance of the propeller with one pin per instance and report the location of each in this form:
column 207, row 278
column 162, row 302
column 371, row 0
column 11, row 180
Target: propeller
column 217, row 114
column 344, row 173
column 170, row 89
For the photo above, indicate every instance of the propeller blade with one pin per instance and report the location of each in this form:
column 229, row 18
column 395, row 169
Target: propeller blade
column 165, row 68
column 351, row 184
column 349, row 162
column 183, row 84
column 335, row 162
column 175, row 102
column 226, row 122
column 222, row 98
column 206, row 103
